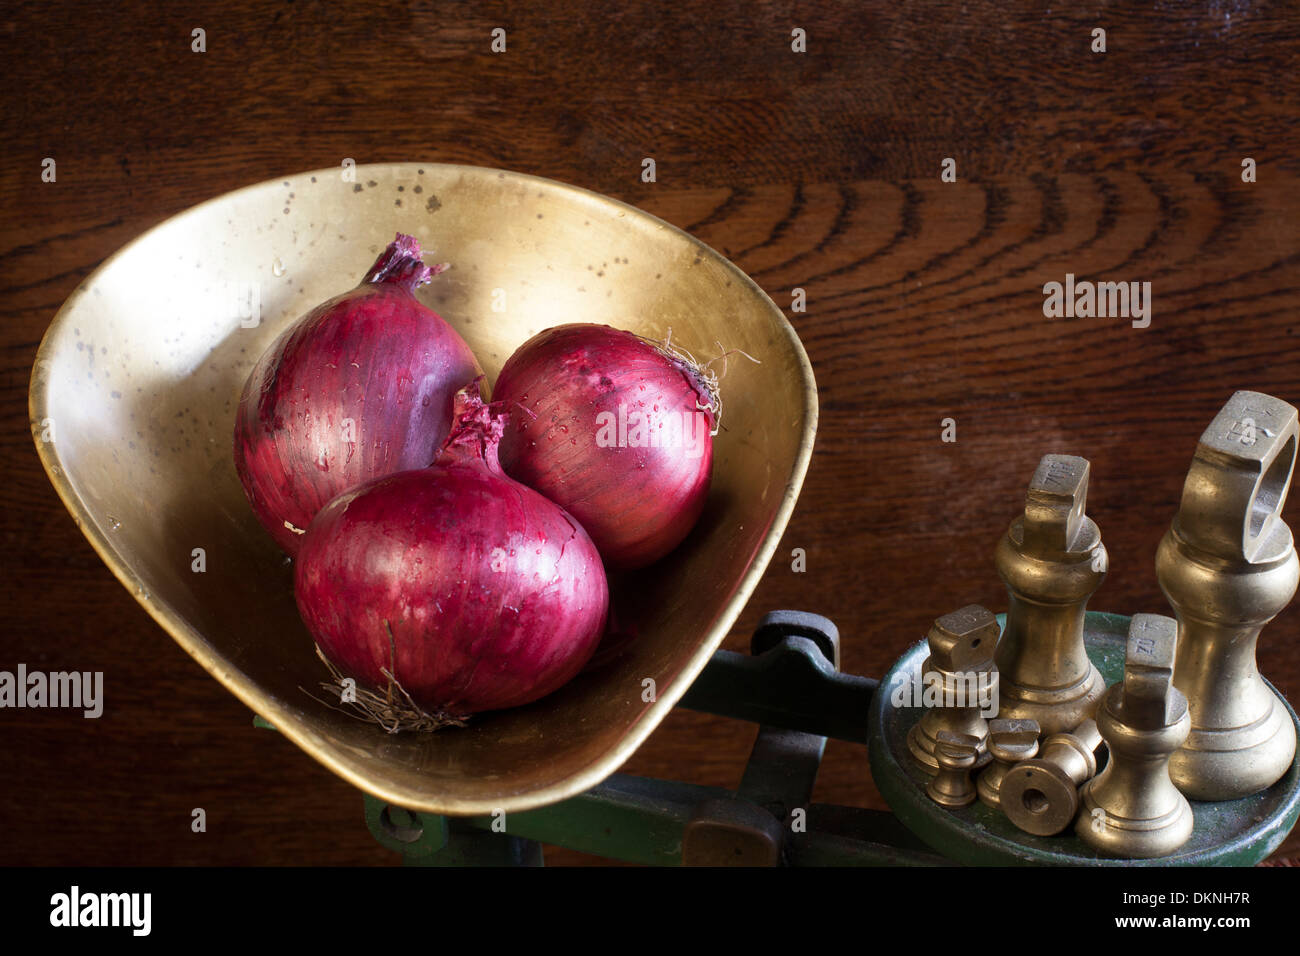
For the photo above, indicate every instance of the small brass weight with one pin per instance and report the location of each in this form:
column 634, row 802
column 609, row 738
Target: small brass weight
column 1228, row 566
column 956, row 755
column 1132, row 808
column 961, row 662
column 1010, row 742
column 1041, row 796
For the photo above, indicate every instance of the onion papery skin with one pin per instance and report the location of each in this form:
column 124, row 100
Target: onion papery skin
column 494, row 596
column 570, row 384
column 359, row 387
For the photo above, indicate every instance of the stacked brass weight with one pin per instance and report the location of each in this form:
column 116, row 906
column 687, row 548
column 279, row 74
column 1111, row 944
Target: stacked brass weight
column 959, row 672
column 1041, row 796
column 1132, row 808
column 1052, row 561
column 956, row 755
column 1009, row 742
column 1228, row 566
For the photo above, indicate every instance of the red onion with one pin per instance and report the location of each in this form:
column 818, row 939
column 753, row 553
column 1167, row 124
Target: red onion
column 474, row 592
column 617, row 431
column 361, row 386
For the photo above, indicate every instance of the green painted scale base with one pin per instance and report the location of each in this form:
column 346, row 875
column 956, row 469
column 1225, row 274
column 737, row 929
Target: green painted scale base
column 1228, row 833
column 791, row 686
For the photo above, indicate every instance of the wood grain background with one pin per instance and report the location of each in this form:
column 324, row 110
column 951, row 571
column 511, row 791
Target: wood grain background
column 816, row 170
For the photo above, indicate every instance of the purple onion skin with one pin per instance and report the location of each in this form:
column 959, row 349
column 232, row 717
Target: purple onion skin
column 374, row 355
column 637, row 503
column 495, row 597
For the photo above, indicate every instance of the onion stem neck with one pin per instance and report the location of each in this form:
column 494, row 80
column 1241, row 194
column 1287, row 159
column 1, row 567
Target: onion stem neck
column 702, row 379
column 401, row 264
column 476, row 430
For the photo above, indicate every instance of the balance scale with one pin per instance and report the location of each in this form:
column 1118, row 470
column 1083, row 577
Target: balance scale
column 790, row 684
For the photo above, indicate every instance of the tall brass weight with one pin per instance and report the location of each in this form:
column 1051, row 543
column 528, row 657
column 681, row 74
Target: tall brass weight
column 1228, row 566
column 1052, row 561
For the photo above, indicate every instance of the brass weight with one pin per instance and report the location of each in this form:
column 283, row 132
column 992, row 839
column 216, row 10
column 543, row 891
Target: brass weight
column 960, row 666
column 1132, row 808
column 1228, row 566
column 1010, row 742
column 956, row 755
column 1052, row 560
column 1041, row 796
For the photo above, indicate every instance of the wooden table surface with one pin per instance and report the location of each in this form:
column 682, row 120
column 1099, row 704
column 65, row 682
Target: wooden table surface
column 816, row 170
